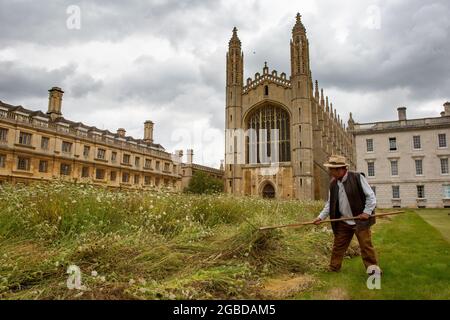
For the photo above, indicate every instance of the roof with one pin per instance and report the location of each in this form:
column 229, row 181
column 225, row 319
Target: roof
column 73, row 124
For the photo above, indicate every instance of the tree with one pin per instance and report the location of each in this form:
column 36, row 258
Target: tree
column 201, row 182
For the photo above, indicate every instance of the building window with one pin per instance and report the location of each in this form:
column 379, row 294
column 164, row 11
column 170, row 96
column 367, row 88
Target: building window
column 148, row 163
column 85, row 172
column 421, row 192
column 266, row 90
column 442, row 137
column 416, row 142
column 65, row 169
column 86, row 151
column 446, row 190
column 419, row 167
column 444, row 166
column 392, row 144
column 136, row 179
column 44, row 143
column 166, row 167
column 112, row 176
column 125, row 177
column 137, row 160
column 156, row 181
column 157, row 165
column 2, row 160
column 126, row 158
column 99, row 174
column 101, row 153
column 23, row 163
column 371, row 169
column 369, row 143
column 43, row 166
column 3, row 134
column 66, row 147
column 147, row 180
column 269, row 118
column 394, row 168
column 174, row 169
column 25, row 138
column 396, row 192
column 113, row 156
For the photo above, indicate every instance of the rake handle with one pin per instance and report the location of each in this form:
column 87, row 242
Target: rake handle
column 330, row 220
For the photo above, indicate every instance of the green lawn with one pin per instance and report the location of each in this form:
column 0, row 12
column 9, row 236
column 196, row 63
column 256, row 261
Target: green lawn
column 414, row 256
column 438, row 218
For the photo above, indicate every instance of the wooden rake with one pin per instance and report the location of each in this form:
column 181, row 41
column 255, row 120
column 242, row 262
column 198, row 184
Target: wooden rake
column 296, row 225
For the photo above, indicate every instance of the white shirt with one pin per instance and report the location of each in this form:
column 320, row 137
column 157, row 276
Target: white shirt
column 344, row 205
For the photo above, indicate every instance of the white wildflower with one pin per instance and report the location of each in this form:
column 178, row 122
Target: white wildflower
column 94, row 273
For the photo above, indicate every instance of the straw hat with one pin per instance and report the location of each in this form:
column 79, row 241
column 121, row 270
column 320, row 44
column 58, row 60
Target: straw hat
column 336, row 161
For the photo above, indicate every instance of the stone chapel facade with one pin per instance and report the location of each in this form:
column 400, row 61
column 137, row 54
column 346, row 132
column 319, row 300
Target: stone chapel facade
column 287, row 163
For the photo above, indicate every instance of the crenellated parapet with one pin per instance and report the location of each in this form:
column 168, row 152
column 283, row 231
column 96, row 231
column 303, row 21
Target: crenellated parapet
column 267, row 76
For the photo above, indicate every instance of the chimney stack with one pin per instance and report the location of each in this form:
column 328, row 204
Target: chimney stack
column 179, row 155
column 222, row 167
column 148, row 131
column 401, row 113
column 447, row 108
column 55, row 102
column 121, row 132
column 190, row 156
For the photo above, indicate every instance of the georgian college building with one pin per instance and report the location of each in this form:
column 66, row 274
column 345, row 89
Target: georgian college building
column 45, row 146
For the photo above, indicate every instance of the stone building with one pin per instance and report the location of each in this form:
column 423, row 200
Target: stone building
column 303, row 129
column 406, row 161
column 44, row 146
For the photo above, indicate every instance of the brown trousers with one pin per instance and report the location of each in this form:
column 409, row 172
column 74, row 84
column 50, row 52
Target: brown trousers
column 342, row 238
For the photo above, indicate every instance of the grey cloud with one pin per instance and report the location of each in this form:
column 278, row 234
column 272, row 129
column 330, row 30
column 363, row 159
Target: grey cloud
column 20, row 81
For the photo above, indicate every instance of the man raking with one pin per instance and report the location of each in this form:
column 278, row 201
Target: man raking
column 349, row 196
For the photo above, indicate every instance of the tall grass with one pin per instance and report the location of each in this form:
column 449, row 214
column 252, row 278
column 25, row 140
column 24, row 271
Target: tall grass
column 149, row 245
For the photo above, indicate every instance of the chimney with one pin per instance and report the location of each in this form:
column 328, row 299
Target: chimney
column 148, row 131
column 447, row 108
column 179, row 154
column 190, row 156
column 121, row 132
column 442, row 114
column 54, row 102
column 401, row 113
column 222, row 167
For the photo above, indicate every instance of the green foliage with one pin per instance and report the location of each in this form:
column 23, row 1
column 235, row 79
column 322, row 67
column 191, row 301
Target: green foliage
column 202, row 183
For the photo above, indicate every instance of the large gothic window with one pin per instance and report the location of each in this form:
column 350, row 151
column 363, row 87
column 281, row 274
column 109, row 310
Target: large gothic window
column 260, row 143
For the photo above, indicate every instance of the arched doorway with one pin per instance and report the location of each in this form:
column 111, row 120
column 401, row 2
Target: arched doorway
column 268, row 191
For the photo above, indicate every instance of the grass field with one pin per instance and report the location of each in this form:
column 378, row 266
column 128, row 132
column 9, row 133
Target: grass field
column 134, row 245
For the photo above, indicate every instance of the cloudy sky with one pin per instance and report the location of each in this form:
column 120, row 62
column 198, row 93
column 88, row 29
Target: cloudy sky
column 164, row 60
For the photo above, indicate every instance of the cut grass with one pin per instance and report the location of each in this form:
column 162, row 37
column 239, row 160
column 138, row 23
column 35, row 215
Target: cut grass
column 438, row 218
column 156, row 245
column 147, row 245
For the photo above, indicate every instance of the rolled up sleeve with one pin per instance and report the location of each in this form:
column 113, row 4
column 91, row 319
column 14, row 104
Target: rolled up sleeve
column 326, row 209
column 371, row 200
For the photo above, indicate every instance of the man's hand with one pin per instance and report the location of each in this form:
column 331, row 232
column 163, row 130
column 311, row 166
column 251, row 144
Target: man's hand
column 364, row 216
column 317, row 221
